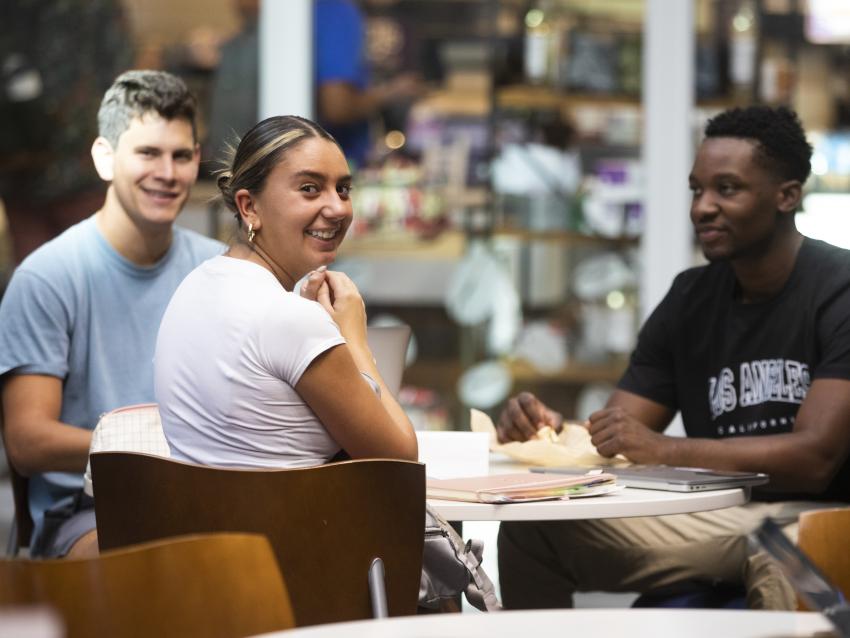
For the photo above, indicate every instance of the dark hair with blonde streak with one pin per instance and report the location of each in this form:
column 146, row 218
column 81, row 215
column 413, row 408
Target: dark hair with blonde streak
column 259, row 151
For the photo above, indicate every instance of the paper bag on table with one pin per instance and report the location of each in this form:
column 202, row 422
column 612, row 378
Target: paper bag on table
column 572, row 447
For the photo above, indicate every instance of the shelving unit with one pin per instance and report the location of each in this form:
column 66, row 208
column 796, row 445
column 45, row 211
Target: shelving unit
column 407, row 275
column 511, row 98
column 573, row 373
column 524, row 96
column 535, row 102
column 567, row 238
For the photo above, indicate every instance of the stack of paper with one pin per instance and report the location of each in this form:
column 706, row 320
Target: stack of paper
column 520, row 488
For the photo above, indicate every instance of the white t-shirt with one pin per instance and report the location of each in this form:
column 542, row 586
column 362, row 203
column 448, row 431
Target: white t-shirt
column 231, row 347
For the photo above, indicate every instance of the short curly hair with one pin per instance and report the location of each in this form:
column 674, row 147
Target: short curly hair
column 138, row 92
column 780, row 140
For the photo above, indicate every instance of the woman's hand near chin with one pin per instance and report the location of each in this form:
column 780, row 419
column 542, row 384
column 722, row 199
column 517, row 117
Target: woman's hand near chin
column 316, row 280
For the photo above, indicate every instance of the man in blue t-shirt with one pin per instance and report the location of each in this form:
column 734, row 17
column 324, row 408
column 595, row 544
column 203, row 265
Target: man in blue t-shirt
column 79, row 319
column 344, row 98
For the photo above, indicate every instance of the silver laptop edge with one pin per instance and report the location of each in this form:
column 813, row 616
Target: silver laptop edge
column 389, row 347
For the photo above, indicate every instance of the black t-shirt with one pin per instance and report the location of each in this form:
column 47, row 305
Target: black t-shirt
column 736, row 369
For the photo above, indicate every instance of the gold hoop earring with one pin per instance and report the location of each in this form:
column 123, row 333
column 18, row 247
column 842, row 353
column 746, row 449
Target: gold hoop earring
column 251, row 233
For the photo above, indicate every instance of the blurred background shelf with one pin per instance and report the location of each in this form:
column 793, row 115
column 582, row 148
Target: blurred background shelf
column 574, row 373
column 534, row 97
column 565, row 237
column 449, row 244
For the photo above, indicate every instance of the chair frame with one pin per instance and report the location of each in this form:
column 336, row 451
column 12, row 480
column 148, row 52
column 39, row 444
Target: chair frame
column 822, row 535
column 20, row 533
column 326, row 524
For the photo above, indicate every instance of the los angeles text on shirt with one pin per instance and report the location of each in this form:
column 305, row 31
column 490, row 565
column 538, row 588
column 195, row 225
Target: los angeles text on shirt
column 759, row 381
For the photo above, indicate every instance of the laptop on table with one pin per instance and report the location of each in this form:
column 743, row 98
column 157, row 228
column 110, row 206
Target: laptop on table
column 389, row 347
column 672, row 479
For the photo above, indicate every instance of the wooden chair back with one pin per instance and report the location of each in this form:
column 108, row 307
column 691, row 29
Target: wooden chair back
column 326, row 523
column 219, row 585
column 823, row 537
column 23, row 524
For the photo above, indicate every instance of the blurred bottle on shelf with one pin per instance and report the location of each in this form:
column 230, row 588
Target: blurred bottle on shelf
column 776, row 84
column 538, row 44
column 742, row 51
column 547, row 28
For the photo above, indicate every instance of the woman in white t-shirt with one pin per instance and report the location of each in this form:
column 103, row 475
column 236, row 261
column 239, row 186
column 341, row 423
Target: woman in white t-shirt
column 250, row 373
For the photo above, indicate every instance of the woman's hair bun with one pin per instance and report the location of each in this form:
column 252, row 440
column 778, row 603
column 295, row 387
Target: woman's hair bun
column 223, row 182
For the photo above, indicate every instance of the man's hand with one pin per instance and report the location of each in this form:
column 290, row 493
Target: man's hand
column 523, row 416
column 614, row 431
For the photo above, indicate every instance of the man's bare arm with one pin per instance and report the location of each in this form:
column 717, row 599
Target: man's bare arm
column 36, row 441
column 804, row 460
column 341, row 103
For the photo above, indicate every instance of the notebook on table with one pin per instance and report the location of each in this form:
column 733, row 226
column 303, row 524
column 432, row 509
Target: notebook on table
column 808, row 581
column 672, row 479
column 518, row 488
column 389, row 347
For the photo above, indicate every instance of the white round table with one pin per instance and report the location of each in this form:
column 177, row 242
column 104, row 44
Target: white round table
column 634, row 623
column 627, row 502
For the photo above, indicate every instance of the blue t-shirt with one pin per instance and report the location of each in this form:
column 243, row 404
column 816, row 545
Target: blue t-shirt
column 77, row 310
column 340, row 56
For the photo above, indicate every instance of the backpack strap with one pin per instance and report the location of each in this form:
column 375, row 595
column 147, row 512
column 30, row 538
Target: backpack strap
column 480, row 592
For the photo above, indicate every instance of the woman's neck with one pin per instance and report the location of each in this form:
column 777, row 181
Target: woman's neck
column 254, row 253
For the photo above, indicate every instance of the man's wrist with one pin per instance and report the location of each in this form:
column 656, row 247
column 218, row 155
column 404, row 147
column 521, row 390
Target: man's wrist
column 670, row 450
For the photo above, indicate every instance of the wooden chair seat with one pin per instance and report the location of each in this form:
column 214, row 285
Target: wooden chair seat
column 219, row 585
column 326, row 523
column 823, row 537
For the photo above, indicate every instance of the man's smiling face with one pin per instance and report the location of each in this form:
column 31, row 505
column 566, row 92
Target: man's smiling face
column 735, row 201
column 155, row 166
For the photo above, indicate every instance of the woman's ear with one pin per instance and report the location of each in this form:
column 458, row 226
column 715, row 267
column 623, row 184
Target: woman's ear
column 104, row 158
column 246, row 205
column 789, row 195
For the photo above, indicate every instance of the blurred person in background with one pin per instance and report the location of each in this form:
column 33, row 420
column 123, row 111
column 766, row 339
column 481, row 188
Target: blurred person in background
column 56, row 60
column 346, row 100
column 235, row 85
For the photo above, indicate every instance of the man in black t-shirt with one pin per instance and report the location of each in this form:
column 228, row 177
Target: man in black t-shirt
column 753, row 349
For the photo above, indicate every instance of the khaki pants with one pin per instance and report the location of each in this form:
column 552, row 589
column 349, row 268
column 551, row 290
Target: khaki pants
column 542, row 563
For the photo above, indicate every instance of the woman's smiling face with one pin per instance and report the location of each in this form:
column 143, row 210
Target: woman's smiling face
column 304, row 209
